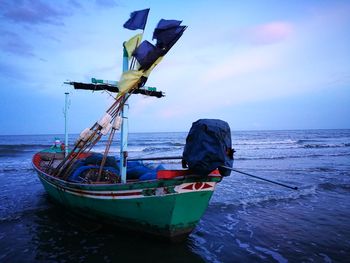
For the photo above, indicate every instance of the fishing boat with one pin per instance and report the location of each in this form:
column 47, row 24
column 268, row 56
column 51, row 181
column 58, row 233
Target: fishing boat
column 128, row 192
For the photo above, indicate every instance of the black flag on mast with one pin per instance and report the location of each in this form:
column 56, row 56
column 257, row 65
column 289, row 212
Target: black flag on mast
column 137, row 20
column 164, row 25
column 167, row 33
column 146, row 54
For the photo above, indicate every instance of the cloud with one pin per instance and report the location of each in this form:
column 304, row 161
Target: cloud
column 33, row 12
column 242, row 63
column 13, row 43
column 18, row 17
column 172, row 112
column 75, row 4
column 106, row 3
column 8, row 71
column 269, row 33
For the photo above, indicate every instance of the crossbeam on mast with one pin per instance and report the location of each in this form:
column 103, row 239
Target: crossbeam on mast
column 97, row 85
column 115, row 83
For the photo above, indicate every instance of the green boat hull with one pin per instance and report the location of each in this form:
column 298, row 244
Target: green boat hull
column 170, row 208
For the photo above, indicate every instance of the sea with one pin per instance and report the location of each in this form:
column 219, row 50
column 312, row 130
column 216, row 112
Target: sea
column 247, row 220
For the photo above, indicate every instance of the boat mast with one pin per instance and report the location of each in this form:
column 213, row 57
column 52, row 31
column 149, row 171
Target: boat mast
column 65, row 122
column 124, row 128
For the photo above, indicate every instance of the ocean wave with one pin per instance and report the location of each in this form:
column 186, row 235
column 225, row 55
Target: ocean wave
column 156, row 143
column 274, row 147
column 333, row 186
column 10, row 152
column 156, row 149
column 23, row 146
column 293, row 195
column 290, row 157
column 252, row 199
column 164, row 162
column 302, row 141
column 288, row 141
column 13, row 149
column 143, row 148
column 324, row 169
column 16, row 169
column 286, row 146
column 326, row 145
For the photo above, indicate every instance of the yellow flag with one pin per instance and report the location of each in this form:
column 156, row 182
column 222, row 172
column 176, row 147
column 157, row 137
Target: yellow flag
column 148, row 71
column 132, row 44
column 128, row 81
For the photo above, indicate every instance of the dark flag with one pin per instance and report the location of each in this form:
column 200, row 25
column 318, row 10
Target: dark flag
column 167, row 33
column 167, row 38
column 137, row 20
column 164, row 25
column 146, row 54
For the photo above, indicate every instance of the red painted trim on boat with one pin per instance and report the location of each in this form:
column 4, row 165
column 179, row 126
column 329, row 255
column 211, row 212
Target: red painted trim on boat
column 197, row 186
column 36, row 160
column 216, row 171
column 169, row 174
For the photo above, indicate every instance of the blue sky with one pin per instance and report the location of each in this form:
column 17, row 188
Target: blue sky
column 258, row 65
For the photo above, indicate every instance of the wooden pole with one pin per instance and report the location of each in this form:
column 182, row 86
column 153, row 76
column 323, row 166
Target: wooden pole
column 108, row 146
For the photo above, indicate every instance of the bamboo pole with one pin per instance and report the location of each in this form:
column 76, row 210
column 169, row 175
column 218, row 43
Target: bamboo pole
column 109, row 142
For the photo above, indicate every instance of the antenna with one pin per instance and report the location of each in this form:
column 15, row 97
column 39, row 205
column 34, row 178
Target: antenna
column 66, row 106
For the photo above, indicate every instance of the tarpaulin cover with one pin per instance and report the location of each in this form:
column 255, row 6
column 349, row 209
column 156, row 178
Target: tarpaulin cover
column 208, row 146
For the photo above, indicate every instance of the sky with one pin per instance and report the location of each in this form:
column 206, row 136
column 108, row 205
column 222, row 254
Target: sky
column 259, row 65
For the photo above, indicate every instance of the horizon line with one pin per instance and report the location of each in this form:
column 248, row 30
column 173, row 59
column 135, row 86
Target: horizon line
column 257, row 130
